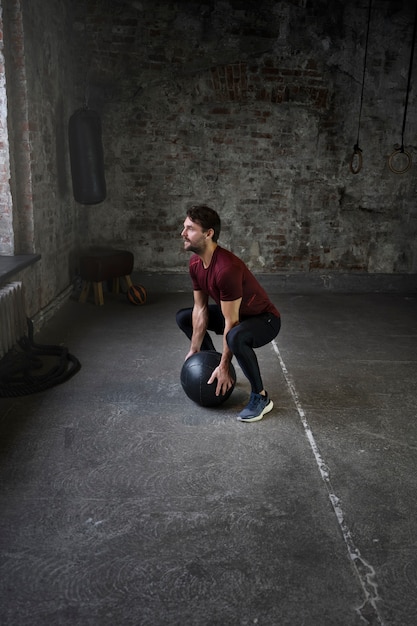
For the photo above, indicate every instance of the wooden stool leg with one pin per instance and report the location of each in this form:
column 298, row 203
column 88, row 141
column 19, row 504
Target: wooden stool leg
column 128, row 281
column 98, row 293
column 85, row 291
column 115, row 288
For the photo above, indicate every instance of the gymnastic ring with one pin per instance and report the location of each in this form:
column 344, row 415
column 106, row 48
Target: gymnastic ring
column 356, row 153
column 391, row 158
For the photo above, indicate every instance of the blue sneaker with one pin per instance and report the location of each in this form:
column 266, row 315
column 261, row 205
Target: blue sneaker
column 256, row 409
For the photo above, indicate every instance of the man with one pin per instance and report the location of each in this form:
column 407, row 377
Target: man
column 242, row 313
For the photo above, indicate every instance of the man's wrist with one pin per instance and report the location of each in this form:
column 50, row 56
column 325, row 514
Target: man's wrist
column 225, row 361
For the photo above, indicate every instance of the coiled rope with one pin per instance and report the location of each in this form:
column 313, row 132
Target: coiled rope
column 18, row 367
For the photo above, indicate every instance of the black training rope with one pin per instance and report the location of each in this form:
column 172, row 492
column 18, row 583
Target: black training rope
column 410, row 70
column 357, row 152
column 18, row 366
column 401, row 150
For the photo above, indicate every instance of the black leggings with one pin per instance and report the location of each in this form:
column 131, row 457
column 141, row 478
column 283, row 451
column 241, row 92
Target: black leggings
column 251, row 332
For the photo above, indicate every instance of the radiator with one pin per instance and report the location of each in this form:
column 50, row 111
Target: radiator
column 13, row 324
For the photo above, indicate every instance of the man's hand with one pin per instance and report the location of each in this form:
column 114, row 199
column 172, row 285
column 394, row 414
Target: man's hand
column 190, row 353
column 224, row 379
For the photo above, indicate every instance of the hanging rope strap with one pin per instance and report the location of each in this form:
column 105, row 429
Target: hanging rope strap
column 406, row 156
column 356, row 160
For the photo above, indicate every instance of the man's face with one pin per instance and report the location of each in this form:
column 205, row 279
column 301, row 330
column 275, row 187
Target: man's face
column 195, row 239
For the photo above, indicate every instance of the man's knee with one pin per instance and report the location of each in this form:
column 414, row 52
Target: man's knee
column 184, row 318
column 236, row 337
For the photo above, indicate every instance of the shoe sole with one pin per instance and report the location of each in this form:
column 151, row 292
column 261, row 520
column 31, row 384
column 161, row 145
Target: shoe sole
column 257, row 418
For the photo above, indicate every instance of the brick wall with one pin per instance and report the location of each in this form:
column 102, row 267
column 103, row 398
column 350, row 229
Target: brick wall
column 250, row 107
column 255, row 111
column 40, row 94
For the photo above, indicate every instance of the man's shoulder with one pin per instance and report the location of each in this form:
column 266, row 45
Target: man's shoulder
column 226, row 255
column 225, row 259
column 228, row 267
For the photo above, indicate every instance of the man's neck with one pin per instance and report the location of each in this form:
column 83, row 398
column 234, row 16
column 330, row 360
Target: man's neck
column 207, row 255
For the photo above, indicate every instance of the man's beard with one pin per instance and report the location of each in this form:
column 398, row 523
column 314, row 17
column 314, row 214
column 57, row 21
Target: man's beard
column 193, row 248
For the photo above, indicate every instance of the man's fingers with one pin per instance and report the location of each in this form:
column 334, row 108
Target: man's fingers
column 222, row 385
column 212, row 378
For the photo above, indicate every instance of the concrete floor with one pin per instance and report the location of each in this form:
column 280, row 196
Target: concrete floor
column 123, row 503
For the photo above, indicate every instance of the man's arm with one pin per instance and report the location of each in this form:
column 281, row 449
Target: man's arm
column 200, row 321
column 230, row 312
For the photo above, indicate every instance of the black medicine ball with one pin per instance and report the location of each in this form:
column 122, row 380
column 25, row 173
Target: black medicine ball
column 195, row 373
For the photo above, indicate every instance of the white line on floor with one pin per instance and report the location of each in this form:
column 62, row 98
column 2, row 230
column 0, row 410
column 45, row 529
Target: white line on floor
column 364, row 570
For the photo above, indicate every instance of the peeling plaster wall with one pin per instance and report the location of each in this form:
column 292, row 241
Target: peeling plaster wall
column 6, row 210
column 253, row 107
column 40, row 86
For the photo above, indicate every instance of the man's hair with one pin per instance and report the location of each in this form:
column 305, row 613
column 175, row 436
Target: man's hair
column 206, row 217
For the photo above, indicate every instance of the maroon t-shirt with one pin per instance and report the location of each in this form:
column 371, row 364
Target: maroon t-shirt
column 228, row 278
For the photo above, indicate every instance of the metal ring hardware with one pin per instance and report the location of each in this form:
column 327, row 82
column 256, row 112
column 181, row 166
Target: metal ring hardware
column 408, row 162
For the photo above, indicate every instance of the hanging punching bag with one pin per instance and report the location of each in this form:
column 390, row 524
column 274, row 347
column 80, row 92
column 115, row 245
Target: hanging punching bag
column 86, row 157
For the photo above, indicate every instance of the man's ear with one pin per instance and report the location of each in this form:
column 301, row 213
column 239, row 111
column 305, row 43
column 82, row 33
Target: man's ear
column 210, row 233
